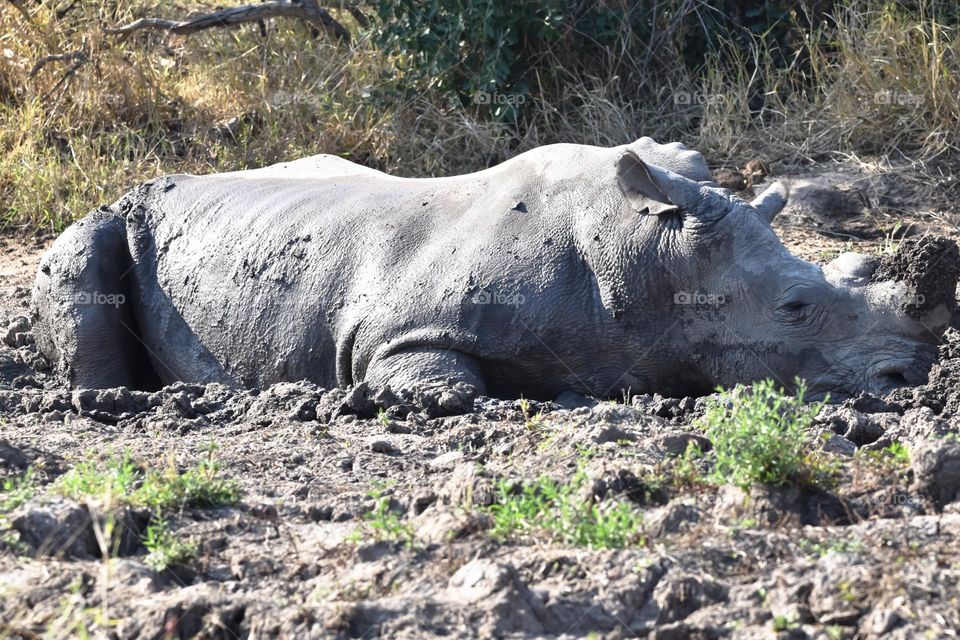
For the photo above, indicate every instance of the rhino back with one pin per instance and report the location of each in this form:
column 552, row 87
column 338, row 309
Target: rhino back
column 312, row 277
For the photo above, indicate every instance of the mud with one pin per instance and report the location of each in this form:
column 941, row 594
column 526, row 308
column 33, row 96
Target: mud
column 928, row 265
column 874, row 554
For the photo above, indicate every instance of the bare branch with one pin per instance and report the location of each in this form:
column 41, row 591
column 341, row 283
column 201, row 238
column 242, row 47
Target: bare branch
column 79, row 56
column 361, row 19
column 304, row 9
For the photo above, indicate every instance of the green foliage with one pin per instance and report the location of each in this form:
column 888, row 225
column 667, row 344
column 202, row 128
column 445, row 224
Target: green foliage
column 840, row 545
column 120, row 481
column 760, row 436
column 383, row 522
column 164, row 549
column 470, row 47
column 14, row 491
column 546, row 505
column 895, row 456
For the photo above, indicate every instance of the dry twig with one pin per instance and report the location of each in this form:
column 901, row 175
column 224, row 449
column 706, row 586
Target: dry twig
column 307, row 10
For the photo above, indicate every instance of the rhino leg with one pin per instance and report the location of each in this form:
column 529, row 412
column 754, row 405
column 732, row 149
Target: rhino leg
column 415, row 366
column 82, row 307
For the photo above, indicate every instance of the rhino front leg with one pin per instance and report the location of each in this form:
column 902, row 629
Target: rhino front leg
column 416, row 366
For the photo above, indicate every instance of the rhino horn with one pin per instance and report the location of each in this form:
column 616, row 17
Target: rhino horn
column 769, row 203
column 652, row 189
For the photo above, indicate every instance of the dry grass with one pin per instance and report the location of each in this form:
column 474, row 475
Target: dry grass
column 885, row 83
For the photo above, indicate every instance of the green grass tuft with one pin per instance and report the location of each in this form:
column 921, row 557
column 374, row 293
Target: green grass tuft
column 560, row 509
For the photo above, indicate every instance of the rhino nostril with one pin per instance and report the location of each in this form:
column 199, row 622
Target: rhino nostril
column 892, row 379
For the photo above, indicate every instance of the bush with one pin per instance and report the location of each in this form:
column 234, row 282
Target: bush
column 760, row 435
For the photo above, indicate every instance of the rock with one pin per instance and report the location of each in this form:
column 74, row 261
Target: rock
column 614, row 414
column 320, row 513
column 495, row 588
column 839, row 445
column 868, row 403
column 17, row 332
column 383, row 446
column 11, row 457
column 59, row 528
column 571, row 400
column 466, row 487
column 65, row 528
column 762, row 505
column 680, row 594
column 671, row 518
column 920, row 424
column 621, row 482
column 422, row 499
column 851, row 424
column 883, row 618
column 297, row 401
column 602, row 434
column 926, row 264
column 440, row 400
column 936, row 470
column 675, row 443
column 837, row 588
column 443, row 525
column 684, row 631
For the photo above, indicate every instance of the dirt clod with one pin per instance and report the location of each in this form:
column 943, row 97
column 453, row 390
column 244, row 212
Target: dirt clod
column 930, row 266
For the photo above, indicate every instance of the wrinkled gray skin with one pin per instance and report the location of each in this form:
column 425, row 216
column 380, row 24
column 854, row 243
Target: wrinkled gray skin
column 568, row 267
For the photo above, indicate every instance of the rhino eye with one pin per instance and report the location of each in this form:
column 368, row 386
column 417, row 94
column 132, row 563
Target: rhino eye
column 795, row 310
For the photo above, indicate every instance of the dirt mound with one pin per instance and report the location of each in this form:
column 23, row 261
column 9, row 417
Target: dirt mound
column 930, row 266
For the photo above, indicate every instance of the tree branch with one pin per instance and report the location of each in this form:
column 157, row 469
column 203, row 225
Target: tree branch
column 304, row 9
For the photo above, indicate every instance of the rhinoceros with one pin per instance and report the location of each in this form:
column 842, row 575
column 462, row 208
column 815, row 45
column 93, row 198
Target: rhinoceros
column 566, row 268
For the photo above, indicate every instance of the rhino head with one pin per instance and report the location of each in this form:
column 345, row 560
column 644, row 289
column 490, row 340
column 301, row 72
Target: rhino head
column 745, row 308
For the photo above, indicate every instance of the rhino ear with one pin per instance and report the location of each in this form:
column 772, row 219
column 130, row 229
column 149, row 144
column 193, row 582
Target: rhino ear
column 769, row 203
column 650, row 189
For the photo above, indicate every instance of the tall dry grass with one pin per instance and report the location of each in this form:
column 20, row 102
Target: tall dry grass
column 874, row 79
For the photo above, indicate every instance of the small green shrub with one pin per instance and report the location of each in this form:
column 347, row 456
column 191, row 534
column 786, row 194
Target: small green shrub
column 387, row 523
column 760, row 436
column 15, row 491
column 120, row 481
column 546, row 505
column 164, row 549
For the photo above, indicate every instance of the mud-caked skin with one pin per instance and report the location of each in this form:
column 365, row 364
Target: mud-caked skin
column 568, row 267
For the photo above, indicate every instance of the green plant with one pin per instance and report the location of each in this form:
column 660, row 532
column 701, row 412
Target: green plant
column 119, row 481
column 842, row 545
column 759, row 435
column 164, row 549
column 531, row 422
column 384, row 522
column 14, row 491
column 783, row 623
column 561, row 510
